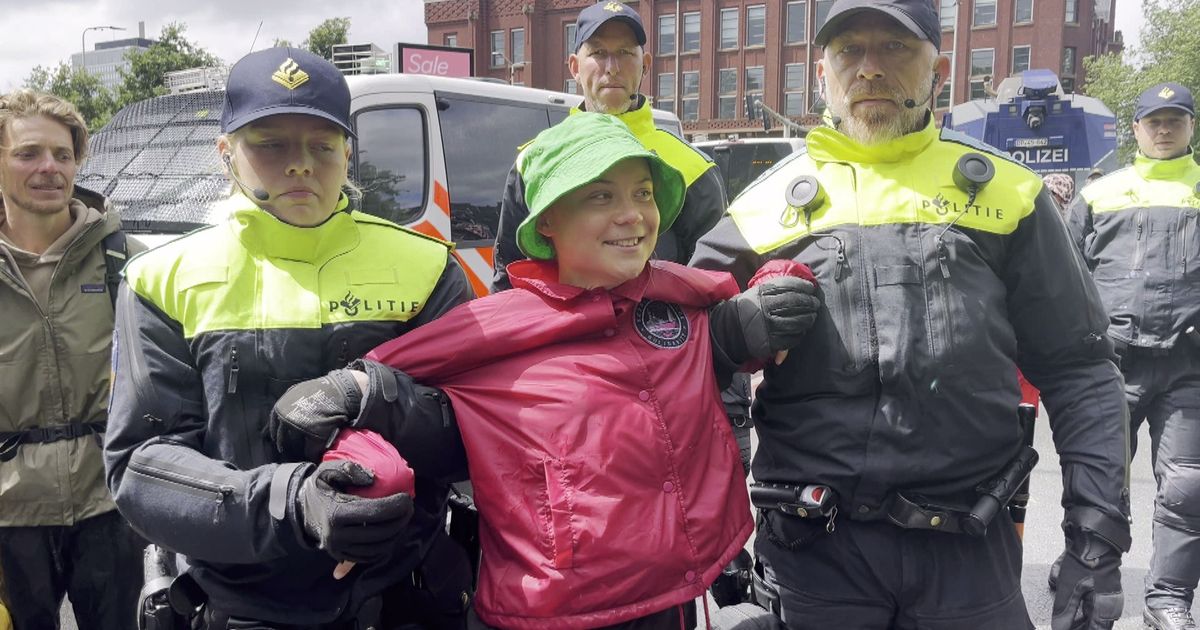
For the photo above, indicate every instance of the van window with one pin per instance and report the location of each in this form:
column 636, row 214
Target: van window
column 391, row 154
column 741, row 164
column 480, row 139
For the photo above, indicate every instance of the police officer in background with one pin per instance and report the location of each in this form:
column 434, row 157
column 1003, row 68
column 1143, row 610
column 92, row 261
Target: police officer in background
column 213, row 328
column 608, row 64
column 1139, row 233
column 889, row 439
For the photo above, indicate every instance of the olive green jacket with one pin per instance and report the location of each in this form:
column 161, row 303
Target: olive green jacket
column 54, row 370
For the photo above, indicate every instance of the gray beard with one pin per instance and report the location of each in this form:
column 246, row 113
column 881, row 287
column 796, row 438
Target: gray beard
column 872, row 130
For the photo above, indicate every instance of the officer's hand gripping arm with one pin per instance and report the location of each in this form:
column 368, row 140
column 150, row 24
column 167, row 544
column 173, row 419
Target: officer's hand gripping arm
column 763, row 320
column 347, row 526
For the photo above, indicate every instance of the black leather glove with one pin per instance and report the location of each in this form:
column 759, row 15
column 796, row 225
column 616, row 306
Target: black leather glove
column 770, row 317
column 306, row 419
column 346, row 526
column 1088, row 592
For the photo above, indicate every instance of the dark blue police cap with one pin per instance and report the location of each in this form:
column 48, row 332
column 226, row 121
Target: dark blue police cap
column 592, row 18
column 1162, row 96
column 285, row 81
column 917, row 16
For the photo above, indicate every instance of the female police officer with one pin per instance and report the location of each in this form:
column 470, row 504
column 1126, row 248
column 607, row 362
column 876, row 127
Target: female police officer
column 213, row 327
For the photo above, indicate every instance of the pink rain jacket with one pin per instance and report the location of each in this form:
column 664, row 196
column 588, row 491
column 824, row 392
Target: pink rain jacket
column 607, row 479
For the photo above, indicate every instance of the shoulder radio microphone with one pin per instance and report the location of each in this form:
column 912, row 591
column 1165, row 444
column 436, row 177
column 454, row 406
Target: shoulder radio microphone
column 258, row 193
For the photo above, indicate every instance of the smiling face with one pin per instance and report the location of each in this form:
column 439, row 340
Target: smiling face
column 870, row 68
column 604, row 231
column 608, row 68
column 37, row 166
column 1164, row 134
column 301, row 162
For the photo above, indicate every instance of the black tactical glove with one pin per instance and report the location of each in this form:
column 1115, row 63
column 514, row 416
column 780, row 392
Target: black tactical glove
column 770, row 317
column 346, row 526
column 1088, row 591
column 306, row 419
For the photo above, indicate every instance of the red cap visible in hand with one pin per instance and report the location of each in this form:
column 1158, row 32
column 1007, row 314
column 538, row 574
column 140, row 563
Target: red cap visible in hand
column 778, row 268
column 376, row 454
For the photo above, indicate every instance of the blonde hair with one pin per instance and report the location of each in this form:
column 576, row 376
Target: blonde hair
column 27, row 103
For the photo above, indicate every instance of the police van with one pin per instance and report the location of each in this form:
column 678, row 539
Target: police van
column 741, row 161
column 432, row 153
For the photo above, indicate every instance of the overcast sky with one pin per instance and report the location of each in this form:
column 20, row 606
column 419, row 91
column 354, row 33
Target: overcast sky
column 44, row 32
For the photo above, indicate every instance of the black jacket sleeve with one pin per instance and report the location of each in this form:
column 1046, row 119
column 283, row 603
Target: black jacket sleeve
column 1079, row 223
column 164, row 485
column 512, row 212
column 703, row 206
column 1065, row 351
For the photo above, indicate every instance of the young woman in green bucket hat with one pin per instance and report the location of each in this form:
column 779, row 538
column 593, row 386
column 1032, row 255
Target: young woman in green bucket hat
column 587, row 398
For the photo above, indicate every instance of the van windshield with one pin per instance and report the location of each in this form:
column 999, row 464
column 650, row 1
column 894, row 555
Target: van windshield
column 742, row 163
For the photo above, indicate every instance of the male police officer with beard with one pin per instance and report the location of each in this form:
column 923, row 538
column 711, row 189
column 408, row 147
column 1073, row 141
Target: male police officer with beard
column 889, row 438
column 1138, row 231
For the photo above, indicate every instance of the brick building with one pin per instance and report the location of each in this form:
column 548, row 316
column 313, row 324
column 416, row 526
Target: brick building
column 709, row 54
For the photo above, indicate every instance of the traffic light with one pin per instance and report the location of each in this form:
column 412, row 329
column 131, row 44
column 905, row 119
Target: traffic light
column 751, row 110
column 766, row 118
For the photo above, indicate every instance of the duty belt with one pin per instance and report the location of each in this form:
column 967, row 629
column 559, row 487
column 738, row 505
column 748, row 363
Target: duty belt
column 10, row 441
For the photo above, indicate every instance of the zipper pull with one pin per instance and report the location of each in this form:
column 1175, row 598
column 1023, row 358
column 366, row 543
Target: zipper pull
column 943, row 255
column 841, row 261
column 233, row 372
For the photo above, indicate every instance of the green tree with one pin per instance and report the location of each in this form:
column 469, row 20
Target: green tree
column 322, row 38
column 147, row 68
column 1169, row 51
column 83, row 89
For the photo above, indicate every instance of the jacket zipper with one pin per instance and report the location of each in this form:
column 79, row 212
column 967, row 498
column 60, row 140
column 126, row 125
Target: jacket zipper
column 1185, row 218
column 845, row 304
column 191, row 485
column 232, row 386
column 1139, row 249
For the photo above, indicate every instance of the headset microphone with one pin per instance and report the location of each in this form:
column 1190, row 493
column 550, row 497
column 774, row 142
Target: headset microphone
column 258, row 193
column 911, row 104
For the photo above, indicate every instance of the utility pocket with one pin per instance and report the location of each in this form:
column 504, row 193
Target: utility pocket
column 790, row 533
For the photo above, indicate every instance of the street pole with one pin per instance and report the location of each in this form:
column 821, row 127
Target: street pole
column 83, row 44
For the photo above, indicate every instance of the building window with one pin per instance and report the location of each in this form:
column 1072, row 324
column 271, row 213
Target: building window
column 793, row 85
column 569, row 38
column 727, row 93
column 1068, row 61
column 690, row 96
column 691, row 32
column 823, row 7
column 1023, row 12
column 949, row 13
column 518, row 45
column 498, row 57
column 985, row 13
column 1071, row 12
column 666, row 35
column 983, row 65
column 729, row 28
column 797, row 22
column 1020, row 59
column 666, row 91
column 756, row 25
column 570, row 86
column 450, row 39
column 754, row 81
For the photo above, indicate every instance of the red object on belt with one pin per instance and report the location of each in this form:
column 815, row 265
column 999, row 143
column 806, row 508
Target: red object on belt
column 376, row 454
column 1029, row 393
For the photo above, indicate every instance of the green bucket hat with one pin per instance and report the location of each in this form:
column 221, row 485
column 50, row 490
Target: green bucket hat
column 576, row 152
